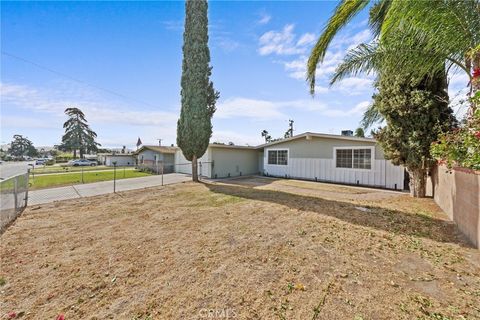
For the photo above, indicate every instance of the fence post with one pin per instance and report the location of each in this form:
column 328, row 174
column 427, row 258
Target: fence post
column 200, row 176
column 26, row 189
column 162, row 173
column 15, row 192
column 114, row 176
column 82, row 175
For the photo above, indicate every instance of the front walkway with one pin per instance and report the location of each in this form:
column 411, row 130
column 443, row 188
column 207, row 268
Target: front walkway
column 104, row 187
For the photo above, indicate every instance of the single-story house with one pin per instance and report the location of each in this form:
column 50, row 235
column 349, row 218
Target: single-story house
column 121, row 159
column 312, row 156
column 332, row 158
column 153, row 157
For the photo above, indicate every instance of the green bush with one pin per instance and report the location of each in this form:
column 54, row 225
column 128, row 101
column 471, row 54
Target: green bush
column 461, row 147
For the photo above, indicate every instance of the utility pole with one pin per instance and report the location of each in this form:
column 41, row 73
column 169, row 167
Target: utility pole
column 159, row 142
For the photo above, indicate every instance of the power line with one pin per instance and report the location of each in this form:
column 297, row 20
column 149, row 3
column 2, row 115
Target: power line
column 76, row 79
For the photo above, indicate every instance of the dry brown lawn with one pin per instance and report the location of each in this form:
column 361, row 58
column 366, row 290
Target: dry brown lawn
column 241, row 249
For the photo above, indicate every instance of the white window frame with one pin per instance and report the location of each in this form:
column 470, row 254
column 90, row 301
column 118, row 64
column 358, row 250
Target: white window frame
column 278, row 149
column 372, row 160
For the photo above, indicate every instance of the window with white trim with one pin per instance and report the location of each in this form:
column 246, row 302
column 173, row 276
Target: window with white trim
column 279, row 157
column 354, row 158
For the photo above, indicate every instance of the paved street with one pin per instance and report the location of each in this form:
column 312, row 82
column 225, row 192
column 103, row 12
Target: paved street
column 98, row 188
column 10, row 169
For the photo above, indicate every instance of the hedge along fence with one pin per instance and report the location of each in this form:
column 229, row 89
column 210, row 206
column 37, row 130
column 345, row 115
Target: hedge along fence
column 457, row 192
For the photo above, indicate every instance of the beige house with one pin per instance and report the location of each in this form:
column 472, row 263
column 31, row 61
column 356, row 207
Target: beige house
column 310, row 156
column 332, row 158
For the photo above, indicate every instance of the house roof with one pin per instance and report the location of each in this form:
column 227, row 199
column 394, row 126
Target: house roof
column 116, row 154
column 160, row 149
column 307, row 135
column 228, row 146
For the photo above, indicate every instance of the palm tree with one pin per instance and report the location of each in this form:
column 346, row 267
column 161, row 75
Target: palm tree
column 344, row 12
column 265, row 135
column 448, row 30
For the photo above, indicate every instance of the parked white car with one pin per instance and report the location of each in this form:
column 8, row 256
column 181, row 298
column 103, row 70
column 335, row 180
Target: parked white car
column 40, row 162
column 81, row 162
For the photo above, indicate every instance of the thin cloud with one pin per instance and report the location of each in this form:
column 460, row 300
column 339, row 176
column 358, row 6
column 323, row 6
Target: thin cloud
column 248, row 108
column 97, row 110
column 264, row 18
column 284, row 42
column 306, row 39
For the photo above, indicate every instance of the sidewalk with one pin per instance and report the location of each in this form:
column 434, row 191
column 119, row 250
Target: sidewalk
column 104, row 187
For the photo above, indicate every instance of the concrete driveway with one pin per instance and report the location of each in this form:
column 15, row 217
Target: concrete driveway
column 104, row 187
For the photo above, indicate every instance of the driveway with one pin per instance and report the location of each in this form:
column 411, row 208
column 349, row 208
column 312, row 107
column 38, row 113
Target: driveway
column 104, row 187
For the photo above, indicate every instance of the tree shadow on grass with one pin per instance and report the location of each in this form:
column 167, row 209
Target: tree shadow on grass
column 395, row 221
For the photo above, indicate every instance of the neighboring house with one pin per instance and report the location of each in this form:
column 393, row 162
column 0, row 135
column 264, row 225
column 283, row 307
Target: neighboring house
column 155, row 158
column 122, row 159
column 312, row 156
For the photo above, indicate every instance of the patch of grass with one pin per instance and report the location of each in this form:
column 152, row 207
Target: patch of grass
column 67, row 168
column 211, row 199
column 55, row 180
column 2, row 281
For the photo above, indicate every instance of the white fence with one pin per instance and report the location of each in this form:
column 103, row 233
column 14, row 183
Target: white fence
column 182, row 165
column 383, row 173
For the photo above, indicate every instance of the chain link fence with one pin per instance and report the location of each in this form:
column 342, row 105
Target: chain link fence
column 13, row 199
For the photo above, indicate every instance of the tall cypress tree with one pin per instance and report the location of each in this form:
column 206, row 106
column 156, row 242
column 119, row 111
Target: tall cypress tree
column 194, row 128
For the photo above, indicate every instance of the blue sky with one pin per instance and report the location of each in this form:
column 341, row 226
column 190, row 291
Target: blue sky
column 127, row 58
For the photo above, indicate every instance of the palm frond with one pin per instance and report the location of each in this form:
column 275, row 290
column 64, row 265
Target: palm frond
column 448, row 29
column 344, row 12
column 370, row 117
column 362, row 59
column 378, row 13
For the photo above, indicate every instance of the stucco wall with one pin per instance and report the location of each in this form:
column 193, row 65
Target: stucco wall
column 234, row 162
column 457, row 192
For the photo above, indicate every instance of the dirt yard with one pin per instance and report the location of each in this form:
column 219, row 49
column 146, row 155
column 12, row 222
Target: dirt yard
column 241, row 249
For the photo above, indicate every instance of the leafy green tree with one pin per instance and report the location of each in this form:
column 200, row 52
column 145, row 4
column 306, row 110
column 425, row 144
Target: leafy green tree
column 21, row 146
column 359, row 133
column 415, row 115
column 194, row 128
column 78, row 135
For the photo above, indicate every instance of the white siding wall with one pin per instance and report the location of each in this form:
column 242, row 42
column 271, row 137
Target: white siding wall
column 383, row 173
column 182, row 165
column 121, row 160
